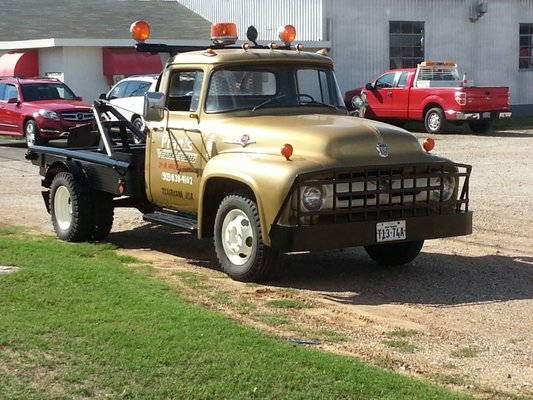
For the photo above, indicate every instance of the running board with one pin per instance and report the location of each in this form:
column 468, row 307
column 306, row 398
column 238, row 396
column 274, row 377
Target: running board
column 172, row 220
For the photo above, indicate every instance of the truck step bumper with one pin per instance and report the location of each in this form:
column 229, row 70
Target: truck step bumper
column 172, row 220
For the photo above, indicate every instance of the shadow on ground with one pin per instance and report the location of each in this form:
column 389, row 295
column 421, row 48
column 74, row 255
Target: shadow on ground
column 432, row 279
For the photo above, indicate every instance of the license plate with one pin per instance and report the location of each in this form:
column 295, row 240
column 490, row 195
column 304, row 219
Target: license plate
column 486, row 115
column 390, row 231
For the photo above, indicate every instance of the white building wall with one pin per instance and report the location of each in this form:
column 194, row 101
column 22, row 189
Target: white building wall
column 81, row 68
column 266, row 16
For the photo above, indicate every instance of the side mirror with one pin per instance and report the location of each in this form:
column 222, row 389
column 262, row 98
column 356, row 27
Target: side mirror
column 79, row 98
column 369, row 86
column 154, row 106
column 103, row 96
column 12, row 100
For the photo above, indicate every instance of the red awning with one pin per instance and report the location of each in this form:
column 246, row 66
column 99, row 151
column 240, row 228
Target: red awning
column 130, row 62
column 23, row 65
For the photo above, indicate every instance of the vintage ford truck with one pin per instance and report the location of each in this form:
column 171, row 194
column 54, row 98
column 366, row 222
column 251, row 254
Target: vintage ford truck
column 252, row 145
column 435, row 93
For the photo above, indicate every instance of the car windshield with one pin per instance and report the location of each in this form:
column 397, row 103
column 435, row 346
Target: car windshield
column 46, row 91
column 259, row 87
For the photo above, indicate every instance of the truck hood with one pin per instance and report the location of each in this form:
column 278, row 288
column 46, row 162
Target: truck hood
column 325, row 139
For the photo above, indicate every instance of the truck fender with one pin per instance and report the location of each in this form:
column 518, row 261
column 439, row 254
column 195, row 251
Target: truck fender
column 431, row 102
column 231, row 172
column 71, row 166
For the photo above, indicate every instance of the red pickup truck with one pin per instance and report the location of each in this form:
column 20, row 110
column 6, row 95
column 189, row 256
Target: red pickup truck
column 434, row 93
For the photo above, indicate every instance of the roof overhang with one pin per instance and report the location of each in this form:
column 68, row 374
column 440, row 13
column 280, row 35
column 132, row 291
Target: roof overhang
column 124, row 43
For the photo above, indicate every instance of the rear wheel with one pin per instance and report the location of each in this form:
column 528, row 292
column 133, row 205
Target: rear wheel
column 479, row 126
column 394, row 253
column 31, row 131
column 239, row 240
column 434, row 120
column 70, row 208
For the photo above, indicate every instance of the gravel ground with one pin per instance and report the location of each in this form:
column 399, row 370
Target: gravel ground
column 460, row 315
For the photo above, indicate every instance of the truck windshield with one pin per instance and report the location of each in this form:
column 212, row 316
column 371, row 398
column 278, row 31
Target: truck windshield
column 257, row 87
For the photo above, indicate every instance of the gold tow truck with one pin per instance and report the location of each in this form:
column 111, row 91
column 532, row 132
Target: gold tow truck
column 252, row 145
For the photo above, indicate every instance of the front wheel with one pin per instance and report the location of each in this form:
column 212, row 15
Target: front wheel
column 239, row 240
column 139, row 123
column 435, row 121
column 31, row 131
column 394, row 253
column 70, row 208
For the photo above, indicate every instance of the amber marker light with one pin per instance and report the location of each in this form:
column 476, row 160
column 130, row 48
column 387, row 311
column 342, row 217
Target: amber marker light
column 140, row 31
column 287, row 34
column 429, row 144
column 224, row 33
column 121, row 188
column 287, row 150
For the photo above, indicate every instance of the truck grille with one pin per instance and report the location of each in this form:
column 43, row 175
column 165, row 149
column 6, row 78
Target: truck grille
column 77, row 116
column 388, row 192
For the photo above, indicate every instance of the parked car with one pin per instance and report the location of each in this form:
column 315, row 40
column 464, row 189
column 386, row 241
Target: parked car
column 127, row 96
column 41, row 109
column 435, row 93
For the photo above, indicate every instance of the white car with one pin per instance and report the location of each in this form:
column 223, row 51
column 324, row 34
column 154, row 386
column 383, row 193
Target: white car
column 128, row 96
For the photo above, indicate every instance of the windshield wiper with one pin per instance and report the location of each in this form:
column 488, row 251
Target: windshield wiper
column 319, row 103
column 264, row 103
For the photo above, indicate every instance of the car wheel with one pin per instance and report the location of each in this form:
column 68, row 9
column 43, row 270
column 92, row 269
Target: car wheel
column 394, row 253
column 139, row 123
column 103, row 209
column 479, row 126
column 71, row 208
column 434, row 121
column 239, row 240
column 31, row 131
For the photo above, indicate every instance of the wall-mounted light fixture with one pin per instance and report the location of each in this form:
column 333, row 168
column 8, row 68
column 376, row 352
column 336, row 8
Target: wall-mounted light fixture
column 478, row 10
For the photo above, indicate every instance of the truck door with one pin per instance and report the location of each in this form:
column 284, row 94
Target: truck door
column 400, row 96
column 177, row 152
column 380, row 97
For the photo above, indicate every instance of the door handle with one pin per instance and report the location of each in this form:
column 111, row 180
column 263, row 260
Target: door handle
column 389, row 94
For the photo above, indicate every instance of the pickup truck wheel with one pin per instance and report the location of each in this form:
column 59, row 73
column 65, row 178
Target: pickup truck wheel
column 434, row 120
column 394, row 253
column 103, row 215
column 239, row 240
column 71, row 208
column 479, row 126
column 31, row 131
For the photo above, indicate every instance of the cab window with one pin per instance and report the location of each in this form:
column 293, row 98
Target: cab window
column 184, row 90
column 402, row 80
column 385, row 81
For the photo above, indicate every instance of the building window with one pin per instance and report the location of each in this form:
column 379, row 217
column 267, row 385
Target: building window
column 525, row 58
column 406, row 40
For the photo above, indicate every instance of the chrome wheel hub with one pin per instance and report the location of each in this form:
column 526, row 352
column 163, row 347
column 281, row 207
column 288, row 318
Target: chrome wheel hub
column 237, row 237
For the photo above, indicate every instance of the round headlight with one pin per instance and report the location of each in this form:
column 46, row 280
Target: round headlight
column 357, row 102
column 313, row 198
column 448, row 188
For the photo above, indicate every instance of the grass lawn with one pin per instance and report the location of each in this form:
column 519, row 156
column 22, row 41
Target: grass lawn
column 77, row 321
